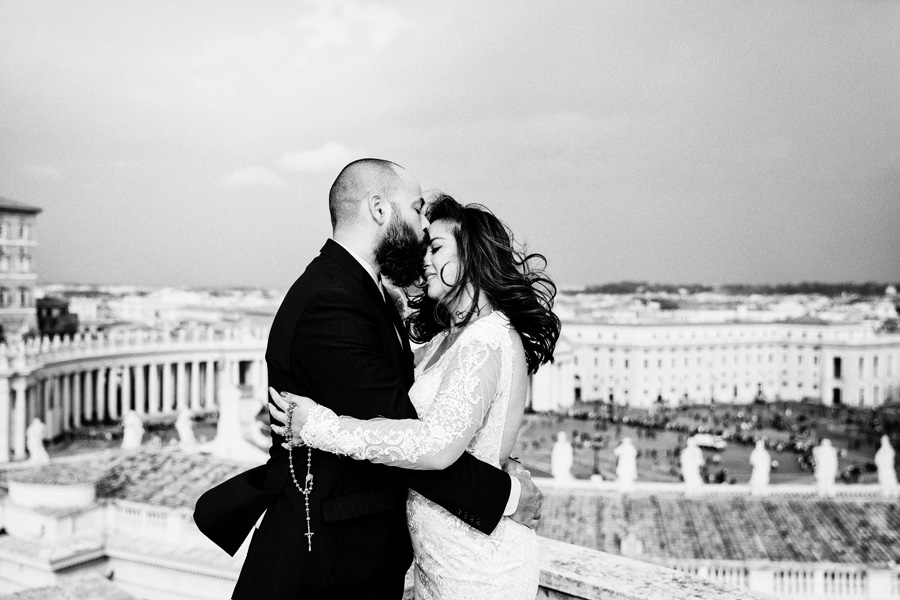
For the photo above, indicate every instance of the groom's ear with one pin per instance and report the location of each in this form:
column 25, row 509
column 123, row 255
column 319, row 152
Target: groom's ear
column 379, row 208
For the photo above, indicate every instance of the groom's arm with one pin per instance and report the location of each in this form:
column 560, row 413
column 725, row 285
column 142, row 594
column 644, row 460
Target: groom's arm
column 339, row 346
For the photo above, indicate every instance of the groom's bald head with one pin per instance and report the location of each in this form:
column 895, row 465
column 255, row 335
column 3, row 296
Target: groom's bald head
column 356, row 182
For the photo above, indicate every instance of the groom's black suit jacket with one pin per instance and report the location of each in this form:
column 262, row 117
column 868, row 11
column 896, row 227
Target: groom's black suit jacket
column 334, row 339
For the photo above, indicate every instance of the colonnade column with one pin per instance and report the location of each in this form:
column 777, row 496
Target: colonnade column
column 45, row 406
column 167, row 391
column 87, row 385
column 65, row 382
column 4, row 419
column 99, row 398
column 126, row 389
column 153, row 388
column 181, row 391
column 140, row 390
column 195, row 386
column 76, row 399
column 112, row 405
column 20, row 385
column 58, row 409
column 210, row 399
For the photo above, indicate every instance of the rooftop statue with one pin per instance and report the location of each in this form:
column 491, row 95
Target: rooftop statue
column 34, row 442
column 691, row 461
column 184, row 426
column 134, row 431
column 626, row 467
column 761, row 463
column 561, row 457
column 826, row 466
column 884, row 461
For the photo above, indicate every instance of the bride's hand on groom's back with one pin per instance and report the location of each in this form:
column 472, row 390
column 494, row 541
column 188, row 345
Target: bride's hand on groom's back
column 528, row 511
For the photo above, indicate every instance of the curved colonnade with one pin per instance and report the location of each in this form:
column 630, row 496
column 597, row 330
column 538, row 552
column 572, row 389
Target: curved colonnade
column 93, row 379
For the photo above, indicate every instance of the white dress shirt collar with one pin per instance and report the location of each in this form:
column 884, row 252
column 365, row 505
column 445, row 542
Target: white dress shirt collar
column 365, row 265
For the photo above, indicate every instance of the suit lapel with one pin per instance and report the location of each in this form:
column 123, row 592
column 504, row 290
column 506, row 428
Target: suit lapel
column 398, row 349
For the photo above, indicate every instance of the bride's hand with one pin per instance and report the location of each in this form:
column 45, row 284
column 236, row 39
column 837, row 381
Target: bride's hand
column 302, row 406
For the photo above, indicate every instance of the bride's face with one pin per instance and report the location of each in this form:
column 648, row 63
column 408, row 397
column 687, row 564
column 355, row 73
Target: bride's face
column 441, row 260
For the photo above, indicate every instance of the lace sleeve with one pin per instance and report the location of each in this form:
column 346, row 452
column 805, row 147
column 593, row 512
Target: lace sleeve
column 442, row 432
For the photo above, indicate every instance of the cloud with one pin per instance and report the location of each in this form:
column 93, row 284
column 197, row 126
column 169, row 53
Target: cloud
column 253, row 176
column 329, row 157
column 41, row 171
column 344, row 23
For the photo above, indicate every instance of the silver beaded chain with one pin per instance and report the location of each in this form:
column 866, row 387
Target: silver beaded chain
column 307, row 487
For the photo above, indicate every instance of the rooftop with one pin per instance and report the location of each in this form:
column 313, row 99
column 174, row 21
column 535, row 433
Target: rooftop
column 674, row 527
column 7, row 205
column 164, row 478
column 93, row 587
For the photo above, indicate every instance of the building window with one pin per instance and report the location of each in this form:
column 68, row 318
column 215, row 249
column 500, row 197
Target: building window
column 875, row 367
column 4, row 297
column 4, row 260
column 24, row 297
column 862, row 363
column 24, row 261
column 24, row 230
column 837, row 367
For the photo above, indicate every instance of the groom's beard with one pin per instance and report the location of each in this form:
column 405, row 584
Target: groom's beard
column 400, row 254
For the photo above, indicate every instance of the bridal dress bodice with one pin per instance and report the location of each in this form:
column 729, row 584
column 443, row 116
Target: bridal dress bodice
column 462, row 400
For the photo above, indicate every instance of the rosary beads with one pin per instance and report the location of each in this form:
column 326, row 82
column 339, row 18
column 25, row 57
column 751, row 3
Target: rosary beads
column 306, row 489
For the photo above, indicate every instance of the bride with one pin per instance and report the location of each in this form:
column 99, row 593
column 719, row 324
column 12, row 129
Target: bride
column 486, row 323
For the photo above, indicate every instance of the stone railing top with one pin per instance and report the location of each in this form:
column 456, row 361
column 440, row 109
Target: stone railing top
column 25, row 354
column 585, row 573
column 869, row 491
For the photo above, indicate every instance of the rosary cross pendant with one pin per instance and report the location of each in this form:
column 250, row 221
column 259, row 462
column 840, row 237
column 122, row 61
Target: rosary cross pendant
column 309, row 535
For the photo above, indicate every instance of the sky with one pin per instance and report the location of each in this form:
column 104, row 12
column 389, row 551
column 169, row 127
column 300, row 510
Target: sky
column 193, row 143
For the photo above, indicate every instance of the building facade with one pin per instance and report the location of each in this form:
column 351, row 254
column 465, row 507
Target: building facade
column 642, row 364
column 17, row 276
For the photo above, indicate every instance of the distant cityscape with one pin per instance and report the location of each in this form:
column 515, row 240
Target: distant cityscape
column 120, row 404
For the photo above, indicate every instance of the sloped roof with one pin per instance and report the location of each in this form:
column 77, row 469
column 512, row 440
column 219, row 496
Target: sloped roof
column 673, row 527
column 7, row 205
column 164, row 478
column 93, row 587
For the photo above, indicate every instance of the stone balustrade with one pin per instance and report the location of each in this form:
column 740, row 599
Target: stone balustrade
column 97, row 378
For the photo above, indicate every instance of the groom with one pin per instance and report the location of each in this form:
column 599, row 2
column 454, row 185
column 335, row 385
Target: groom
column 338, row 339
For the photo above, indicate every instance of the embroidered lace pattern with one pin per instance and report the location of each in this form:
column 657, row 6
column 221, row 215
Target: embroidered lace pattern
column 462, row 401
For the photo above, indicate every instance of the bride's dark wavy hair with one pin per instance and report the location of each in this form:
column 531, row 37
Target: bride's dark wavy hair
column 514, row 282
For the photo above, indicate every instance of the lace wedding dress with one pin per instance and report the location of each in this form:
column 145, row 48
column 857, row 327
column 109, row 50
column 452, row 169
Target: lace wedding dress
column 462, row 401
